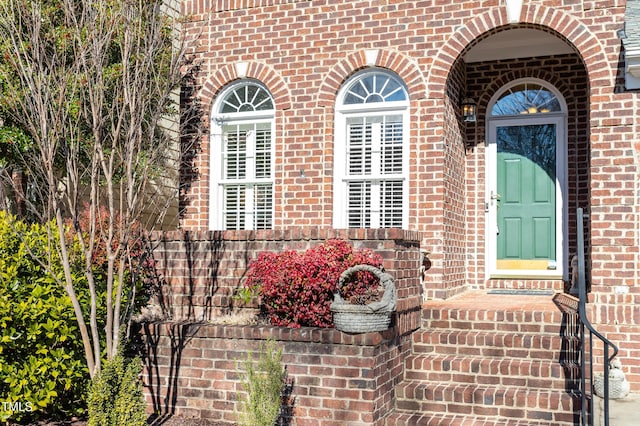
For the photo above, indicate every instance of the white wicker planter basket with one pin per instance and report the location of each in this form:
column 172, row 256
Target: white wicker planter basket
column 618, row 384
column 375, row 316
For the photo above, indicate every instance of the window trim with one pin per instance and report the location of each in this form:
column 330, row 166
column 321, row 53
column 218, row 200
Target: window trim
column 216, row 167
column 340, row 177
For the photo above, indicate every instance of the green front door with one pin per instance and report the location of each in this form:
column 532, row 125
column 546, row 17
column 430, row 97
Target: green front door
column 526, row 197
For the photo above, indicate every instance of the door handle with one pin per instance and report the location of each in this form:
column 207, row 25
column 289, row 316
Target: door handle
column 494, row 197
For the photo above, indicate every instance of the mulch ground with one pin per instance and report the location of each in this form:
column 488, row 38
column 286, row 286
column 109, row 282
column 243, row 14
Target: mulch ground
column 171, row 421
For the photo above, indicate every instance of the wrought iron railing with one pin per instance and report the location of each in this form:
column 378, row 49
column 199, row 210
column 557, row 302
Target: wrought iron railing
column 586, row 333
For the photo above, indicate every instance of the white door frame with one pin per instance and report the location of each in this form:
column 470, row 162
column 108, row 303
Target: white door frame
column 559, row 120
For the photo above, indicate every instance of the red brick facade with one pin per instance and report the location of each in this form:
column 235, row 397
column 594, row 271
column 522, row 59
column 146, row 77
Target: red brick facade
column 304, row 51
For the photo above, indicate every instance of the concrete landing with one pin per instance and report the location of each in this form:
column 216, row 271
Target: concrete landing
column 622, row 412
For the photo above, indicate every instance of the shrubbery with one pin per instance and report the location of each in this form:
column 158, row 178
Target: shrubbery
column 115, row 395
column 296, row 289
column 263, row 381
column 43, row 372
column 42, row 364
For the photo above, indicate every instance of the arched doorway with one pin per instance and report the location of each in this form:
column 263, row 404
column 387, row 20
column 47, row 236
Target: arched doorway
column 493, row 58
column 526, row 182
column 497, row 68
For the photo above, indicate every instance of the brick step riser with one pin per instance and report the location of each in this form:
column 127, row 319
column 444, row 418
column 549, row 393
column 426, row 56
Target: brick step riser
column 548, row 353
column 508, row 372
column 543, row 370
column 510, row 327
column 481, row 400
column 440, row 419
column 465, row 415
column 530, row 382
column 461, row 364
column 543, row 348
column 475, row 338
column 489, row 316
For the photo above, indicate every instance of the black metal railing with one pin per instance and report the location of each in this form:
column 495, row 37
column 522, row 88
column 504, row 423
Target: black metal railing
column 588, row 351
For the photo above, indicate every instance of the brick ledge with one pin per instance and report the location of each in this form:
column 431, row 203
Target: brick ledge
column 263, row 332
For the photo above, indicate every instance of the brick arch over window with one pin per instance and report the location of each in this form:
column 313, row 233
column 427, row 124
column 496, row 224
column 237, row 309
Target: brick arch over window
column 401, row 64
column 565, row 25
column 258, row 71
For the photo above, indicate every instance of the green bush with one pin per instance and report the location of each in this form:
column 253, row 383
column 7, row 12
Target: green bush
column 42, row 368
column 115, row 395
column 263, row 381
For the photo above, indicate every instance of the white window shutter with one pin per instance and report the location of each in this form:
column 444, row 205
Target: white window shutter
column 242, row 132
column 372, row 152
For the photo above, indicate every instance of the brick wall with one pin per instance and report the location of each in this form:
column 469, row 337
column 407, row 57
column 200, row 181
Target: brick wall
column 201, row 271
column 192, row 371
column 191, row 364
column 303, row 51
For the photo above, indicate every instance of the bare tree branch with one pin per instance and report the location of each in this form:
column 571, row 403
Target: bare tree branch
column 91, row 83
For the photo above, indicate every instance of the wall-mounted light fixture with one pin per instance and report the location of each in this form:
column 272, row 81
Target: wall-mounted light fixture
column 514, row 9
column 468, row 110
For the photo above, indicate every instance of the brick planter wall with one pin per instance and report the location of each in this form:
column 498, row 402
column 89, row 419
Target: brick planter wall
column 201, row 271
column 191, row 368
column 192, row 371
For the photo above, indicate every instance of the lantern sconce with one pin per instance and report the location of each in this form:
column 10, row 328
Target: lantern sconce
column 468, row 110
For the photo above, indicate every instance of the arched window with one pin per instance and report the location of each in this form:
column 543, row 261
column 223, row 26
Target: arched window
column 526, row 98
column 371, row 152
column 242, row 146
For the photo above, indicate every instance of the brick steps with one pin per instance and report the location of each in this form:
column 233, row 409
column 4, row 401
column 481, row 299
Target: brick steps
column 484, row 360
column 427, row 419
column 499, row 402
column 531, row 373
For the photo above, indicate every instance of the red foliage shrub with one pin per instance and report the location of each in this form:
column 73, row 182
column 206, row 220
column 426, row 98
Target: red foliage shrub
column 137, row 250
column 296, row 289
column 139, row 273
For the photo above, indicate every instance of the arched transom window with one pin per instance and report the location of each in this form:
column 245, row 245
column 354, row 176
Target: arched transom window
column 526, row 98
column 246, row 98
column 374, row 88
column 242, row 140
column 371, row 152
